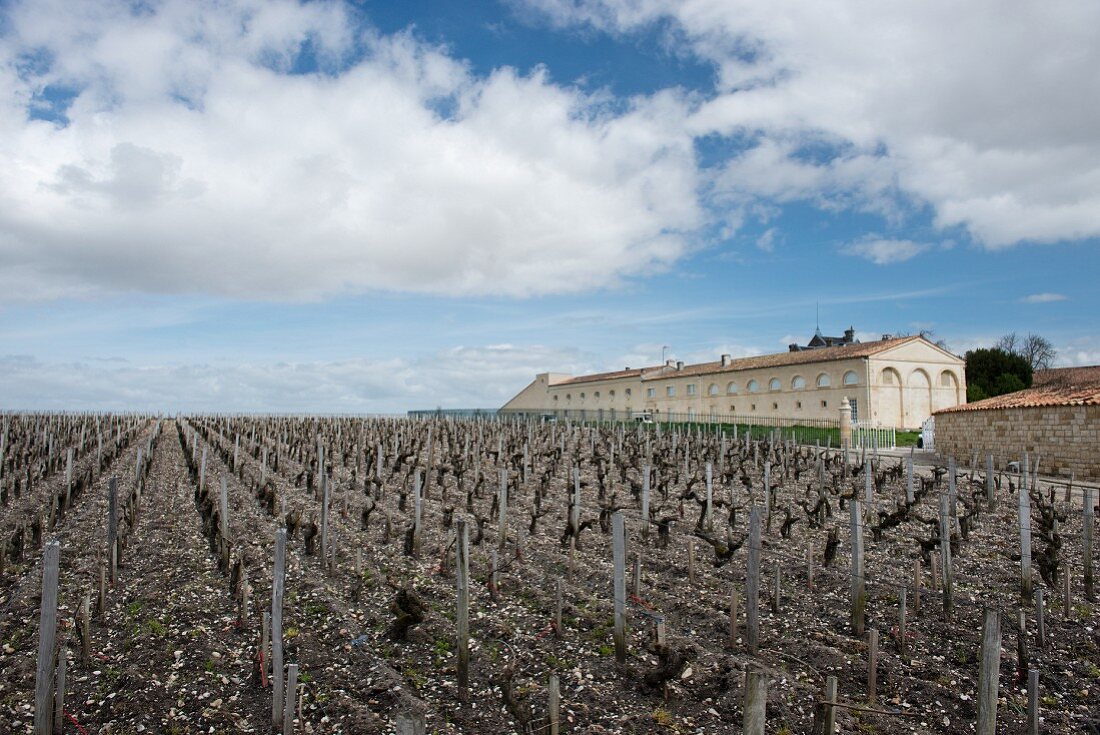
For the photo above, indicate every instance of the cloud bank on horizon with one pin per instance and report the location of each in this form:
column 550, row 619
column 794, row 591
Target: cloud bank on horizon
column 286, row 151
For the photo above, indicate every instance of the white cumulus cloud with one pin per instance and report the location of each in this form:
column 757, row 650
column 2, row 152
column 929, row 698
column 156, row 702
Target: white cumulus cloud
column 983, row 111
column 194, row 159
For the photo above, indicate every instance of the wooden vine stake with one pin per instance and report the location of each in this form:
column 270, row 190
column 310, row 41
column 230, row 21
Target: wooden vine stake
column 277, row 583
column 618, row 531
column 502, row 505
column 830, row 710
column 708, row 513
column 990, row 496
column 756, row 699
column 324, row 505
column 59, row 691
column 858, row 585
column 291, row 690
column 554, row 710
column 1033, row 702
column 47, row 634
column 1040, row 619
column 945, row 553
column 909, row 480
column 691, row 560
column 112, row 527
column 902, row 620
column 557, row 607
column 1090, row 593
column 1025, row 534
column 733, row 617
column 636, row 580
column 223, row 506
column 462, row 617
column 872, row 665
column 86, row 629
column 752, row 583
column 989, row 673
column 411, row 723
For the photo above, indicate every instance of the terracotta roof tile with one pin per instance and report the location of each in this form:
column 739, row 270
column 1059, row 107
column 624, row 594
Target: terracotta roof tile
column 1056, row 387
column 779, row 359
column 633, row 373
column 1067, row 376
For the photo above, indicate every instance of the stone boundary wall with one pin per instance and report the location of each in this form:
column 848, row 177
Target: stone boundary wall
column 1066, row 437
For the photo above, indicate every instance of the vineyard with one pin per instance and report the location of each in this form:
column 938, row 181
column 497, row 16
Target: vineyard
column 336, row 575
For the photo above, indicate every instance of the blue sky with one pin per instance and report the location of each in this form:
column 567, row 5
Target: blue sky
column 372, row 207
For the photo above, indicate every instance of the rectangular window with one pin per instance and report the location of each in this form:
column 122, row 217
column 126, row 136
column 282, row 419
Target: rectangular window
column 824, row 404
column 798, row 405
column 691, row 389
column 651, row 392
column 670, row 391
column 855, row 409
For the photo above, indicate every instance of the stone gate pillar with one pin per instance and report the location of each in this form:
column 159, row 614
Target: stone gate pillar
column 845, row 417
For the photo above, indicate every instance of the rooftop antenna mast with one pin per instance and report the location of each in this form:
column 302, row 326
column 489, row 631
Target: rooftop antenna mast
column 817, row 319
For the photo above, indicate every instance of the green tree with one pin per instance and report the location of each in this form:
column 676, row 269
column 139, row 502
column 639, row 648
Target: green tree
column 974, row 392
column 994, row 372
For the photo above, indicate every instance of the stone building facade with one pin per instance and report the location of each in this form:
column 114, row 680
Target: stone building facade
column 1057, row 420
column 893, row 382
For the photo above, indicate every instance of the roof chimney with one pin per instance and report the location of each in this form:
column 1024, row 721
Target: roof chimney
column 885, row 337
column 726, row 360
column 669, row 363
column 679, row 364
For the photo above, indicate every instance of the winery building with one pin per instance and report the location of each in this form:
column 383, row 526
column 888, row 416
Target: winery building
column 894, row 382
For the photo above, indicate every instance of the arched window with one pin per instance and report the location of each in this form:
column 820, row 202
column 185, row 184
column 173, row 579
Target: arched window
column 731, row 388
column 888, row 376
column 611, row 393
column 568, row 396
column 753, row 386
column 798, row 382
column 596, row 394
column 582, row 396
column 823, row 381
column 712, row 390
column 850, row 378
column 556, row 396
column 774, row 384
column 947, row 379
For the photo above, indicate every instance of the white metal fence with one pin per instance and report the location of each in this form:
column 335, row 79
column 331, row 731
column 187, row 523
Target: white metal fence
column 867, row 435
